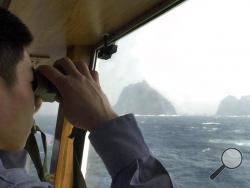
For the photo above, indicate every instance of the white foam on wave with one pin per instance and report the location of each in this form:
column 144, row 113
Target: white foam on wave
column 160, row 115
column 206, row 150
column 169, row 115
column 233, row 142
column 238, row 131
column 233, row 116
column 210, row 123
column 213, row 129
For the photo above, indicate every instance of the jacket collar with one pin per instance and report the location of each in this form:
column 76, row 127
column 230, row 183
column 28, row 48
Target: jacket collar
column 13, row 159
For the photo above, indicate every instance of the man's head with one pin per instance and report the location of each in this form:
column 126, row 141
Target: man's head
column 16, row 95
column 14, row 37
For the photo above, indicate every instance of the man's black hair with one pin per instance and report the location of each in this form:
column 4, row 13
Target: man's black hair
column 14, row 37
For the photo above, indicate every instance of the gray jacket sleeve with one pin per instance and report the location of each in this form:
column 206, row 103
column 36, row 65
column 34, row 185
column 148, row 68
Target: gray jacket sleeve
column 127, row 158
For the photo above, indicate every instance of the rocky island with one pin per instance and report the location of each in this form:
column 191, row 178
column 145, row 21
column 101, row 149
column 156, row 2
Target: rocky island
column 142, row 99
column 230, row 105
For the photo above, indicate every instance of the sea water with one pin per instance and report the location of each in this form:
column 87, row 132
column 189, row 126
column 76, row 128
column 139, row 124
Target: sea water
column 190, row 148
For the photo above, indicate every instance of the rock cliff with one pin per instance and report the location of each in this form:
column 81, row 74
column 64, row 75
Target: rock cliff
column 230, row 105
column 142, row 99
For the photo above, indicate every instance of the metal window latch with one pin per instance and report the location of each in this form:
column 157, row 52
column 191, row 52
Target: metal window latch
column 107, row 50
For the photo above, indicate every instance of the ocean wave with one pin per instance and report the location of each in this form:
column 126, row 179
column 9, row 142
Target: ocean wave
column 211, row 123
column 160, row 115
column 233, row 116
column 213, row 129
column 233, row 142
column 206, row 150
column 238, row 131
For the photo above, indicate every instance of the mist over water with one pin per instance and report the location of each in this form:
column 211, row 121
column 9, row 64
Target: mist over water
column 192, row 57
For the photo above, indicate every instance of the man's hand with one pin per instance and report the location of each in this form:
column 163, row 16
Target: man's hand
column 83, row 102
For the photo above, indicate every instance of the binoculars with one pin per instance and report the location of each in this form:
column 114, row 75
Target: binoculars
column 43, row 88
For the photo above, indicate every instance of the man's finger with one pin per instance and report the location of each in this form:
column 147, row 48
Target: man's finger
column 95, row 76
column 66, row 66
column 80, row 67
column 83, row 69
column 52, row 74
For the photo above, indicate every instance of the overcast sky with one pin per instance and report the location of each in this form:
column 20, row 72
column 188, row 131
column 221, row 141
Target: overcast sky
column 194, row 55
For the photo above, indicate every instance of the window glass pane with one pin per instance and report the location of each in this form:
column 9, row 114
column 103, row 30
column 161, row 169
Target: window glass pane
column 46, row 119
column 185, row 77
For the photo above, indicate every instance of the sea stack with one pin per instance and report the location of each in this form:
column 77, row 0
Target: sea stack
column 142, row 99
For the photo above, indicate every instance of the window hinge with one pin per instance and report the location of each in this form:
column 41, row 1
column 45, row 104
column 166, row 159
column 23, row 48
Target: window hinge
column 107, row 50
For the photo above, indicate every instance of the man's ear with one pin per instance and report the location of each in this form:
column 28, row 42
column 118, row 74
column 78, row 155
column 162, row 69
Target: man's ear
column 38, row 104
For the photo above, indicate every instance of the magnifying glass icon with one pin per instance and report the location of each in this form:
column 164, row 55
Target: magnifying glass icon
column 231, row 158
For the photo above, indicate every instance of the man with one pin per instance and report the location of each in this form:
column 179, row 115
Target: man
column 117, row 140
